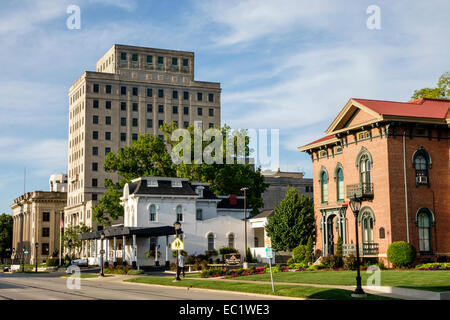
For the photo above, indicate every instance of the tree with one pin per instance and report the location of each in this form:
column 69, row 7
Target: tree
column 442, row 91
column 147, row 156
column 6, row 233
column 224, row 178
column 292, row 222
column 71, row 233
column 309, row 254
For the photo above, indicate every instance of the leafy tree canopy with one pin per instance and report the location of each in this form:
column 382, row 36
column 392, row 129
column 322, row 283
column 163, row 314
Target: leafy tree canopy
column 71, row 233
column 442, row 91
column 292, row 222
column 6, row 230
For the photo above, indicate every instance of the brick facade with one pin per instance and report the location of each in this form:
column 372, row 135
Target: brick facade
column 384, row 147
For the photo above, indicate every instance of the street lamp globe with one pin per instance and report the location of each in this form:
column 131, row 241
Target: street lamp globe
column 36, row 245
column 355, row 204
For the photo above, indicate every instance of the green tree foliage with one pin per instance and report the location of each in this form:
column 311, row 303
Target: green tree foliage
column 339, row 246
column 292, row 222
column 146, row 156
column 309, row 250
column 225, row 178
column 71, row 233
column 442, row 91
column 6, row 230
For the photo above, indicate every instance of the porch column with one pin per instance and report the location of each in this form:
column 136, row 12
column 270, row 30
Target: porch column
column 325, row 236
column 167, row 252
column 115, row 253
column 124, row 250
column 106, row 251
column 156, row 252
column 133, row 262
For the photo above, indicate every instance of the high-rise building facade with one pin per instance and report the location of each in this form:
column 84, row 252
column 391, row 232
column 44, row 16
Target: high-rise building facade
column 133, row 91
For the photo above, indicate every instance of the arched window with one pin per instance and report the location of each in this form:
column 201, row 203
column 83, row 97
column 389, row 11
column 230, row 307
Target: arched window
column 152, row 213
column 179, row 213
column 424, row 222
column 340, row 184
column 367, row 225
column 323, row 180
column 210, row 241
column 365, row 167
column 421, row 162
column 231, row 240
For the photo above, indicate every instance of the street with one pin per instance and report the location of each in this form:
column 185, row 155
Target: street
column 50, row 286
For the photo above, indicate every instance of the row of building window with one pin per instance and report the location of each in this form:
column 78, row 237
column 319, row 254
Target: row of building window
column 421, row 163
column 135, row 107
column 149, row 59
column 135, row 92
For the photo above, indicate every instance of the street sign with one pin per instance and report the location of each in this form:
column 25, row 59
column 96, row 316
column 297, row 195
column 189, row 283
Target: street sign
column 102, row 251
column 26, row 252
column 269, row 253
column 177, row 244
column 267, row 242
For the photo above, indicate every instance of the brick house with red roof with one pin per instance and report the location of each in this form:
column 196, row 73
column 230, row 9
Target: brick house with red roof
column 395, row 157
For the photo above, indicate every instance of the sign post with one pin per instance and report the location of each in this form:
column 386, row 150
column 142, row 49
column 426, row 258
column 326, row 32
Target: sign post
column 269, row 255
column 177, row 245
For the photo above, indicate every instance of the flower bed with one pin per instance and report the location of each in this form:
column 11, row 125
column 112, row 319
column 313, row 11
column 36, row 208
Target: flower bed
column 434, row 266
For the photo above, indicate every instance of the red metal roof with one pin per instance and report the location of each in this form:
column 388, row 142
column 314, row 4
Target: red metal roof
column 420, row 108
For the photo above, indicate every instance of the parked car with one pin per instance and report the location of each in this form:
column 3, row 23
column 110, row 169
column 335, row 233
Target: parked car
column 80, row 262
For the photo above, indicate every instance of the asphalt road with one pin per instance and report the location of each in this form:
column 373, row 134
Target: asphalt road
column 49, row 286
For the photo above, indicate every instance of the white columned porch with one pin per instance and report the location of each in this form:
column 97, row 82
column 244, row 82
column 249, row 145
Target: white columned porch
column 134, row 252
column 115, row 252
column 167, row 252
column 124, row 249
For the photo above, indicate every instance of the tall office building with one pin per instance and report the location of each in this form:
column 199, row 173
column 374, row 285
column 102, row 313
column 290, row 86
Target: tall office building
column 133, row 91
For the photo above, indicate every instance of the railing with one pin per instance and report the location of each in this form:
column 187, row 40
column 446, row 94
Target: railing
column 361, row 190
column 365, row 249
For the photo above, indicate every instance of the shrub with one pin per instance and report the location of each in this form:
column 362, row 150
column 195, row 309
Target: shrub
column 174, row 253
column 211, row 253
column 151, row 254
column 299, row 265
column 249, row 256
column 309, row 250
column 434, row 266
column 401, row 254
column 332, row 261
column 226, row 250
column 315, row 267
column 52, row 262
column 350, row 262
column 135, row 272
column 339, row 246
column 299, row 253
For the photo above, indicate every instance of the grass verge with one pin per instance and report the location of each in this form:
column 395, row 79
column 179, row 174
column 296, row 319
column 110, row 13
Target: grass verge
column 280, row 290
column 437, row 281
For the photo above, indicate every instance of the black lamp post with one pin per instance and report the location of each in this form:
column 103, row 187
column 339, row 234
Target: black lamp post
column 102, row 237
column 177, row 226
column 355, row 205
column 36, row 246
column 23, row 259
column 13, row 255
column 245, row 223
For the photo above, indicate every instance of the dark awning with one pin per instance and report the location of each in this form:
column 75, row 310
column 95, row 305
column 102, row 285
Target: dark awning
column 129, row 231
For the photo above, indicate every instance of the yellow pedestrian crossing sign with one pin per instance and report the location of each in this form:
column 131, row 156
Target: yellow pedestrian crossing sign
column 177, row 244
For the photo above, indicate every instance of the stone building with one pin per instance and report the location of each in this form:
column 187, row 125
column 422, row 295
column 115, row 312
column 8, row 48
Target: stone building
column 36, row 219
column 395, row 157
column 279, row 182
column 134, row 90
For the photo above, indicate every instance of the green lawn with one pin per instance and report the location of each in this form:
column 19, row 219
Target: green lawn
column 425, row 280
column 280, row 290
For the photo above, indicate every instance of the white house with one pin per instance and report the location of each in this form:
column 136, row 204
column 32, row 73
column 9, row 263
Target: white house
column 151, row 207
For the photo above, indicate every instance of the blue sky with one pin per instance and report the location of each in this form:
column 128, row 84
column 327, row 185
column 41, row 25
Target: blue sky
column 284, row 64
